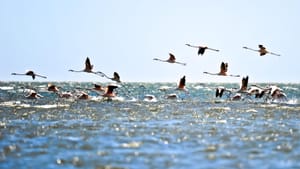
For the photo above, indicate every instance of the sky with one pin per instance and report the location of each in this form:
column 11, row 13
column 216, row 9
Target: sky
column 53, row 36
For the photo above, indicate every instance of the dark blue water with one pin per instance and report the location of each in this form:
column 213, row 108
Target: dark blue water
column 196, row 130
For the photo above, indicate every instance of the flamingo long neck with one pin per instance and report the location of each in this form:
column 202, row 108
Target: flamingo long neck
column 19, row 74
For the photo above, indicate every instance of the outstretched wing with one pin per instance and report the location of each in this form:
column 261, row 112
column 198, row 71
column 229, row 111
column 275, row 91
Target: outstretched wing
column 116, row 77
column 262, row 50
column 201, row 50
column 88, row 65
column 172, row 57
column 224, row 67
column 244, row 83
column 182, row 82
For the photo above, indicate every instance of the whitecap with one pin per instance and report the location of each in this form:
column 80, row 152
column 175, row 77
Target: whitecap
column 251, row 111
column 220, row 108
column 221, row 121
column 6, row 88
column 290, row 88
column 116, row 98
column 133, row 144
column 50, row 106
column 14, row 104
column 198, row 87
column 293, row 101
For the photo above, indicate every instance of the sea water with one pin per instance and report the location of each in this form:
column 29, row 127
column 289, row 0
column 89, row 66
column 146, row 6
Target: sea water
column 195, row 130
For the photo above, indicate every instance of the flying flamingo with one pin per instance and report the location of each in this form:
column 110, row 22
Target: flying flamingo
column 262, row 50
column 110, row 91
column 33, row 95
column 276, row 93
column 258, row 91
column 223, row 71
column 98, row 88
column 116, row 76
column 219, row 91
column 270, row 92
column 181, row 85
column 30, row 73
column 201, row 49
column 244, row 84
column 52, row 88
column 83, row 96
column 88, row 67
column 171, row 59
column 66, row 95
column 243, row 88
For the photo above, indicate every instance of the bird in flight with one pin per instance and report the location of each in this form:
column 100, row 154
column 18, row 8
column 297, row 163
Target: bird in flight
column 110, row 91
column 88, row 67
column 52, row 88
column 201, row 49
column 223, row 71
column 33, row 95
column 243, row 89
column 244, row 84
column 181, row 85
column 98, row 87
column 262, row 50
column 171, row 59
column 30, row 73
column 116, row 76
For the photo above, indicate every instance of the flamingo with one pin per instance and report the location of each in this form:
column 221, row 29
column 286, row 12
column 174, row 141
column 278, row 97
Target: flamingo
column 271, row 92
column 88, row 67
column 258, row 91
column 262, row 50
column 201, row 49
column 66, row 95
column 116, row 76
column 276, row 93
column 243, row 88
column 33, row 95
column 244, row 84
column 110, row 91
column 223, row 71
column 30, row 73
column 98, row 88
column 83, row 96
column 52, row 88
column 220, row 91
column 181, row 85
column 171, row 59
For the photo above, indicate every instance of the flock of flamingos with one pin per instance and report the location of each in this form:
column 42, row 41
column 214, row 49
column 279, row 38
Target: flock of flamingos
column 267, row 93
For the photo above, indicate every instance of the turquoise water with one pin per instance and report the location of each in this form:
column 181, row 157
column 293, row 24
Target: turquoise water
column 196, row 130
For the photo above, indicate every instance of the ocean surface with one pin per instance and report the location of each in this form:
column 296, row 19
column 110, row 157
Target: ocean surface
column 194, row 130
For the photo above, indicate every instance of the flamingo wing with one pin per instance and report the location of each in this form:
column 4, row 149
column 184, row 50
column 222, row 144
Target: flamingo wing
column 172, row 57
column 88, row 65
column 201, row 50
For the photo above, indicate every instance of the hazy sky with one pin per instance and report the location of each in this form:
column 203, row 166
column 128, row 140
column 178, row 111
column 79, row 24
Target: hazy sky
column 53, row 36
